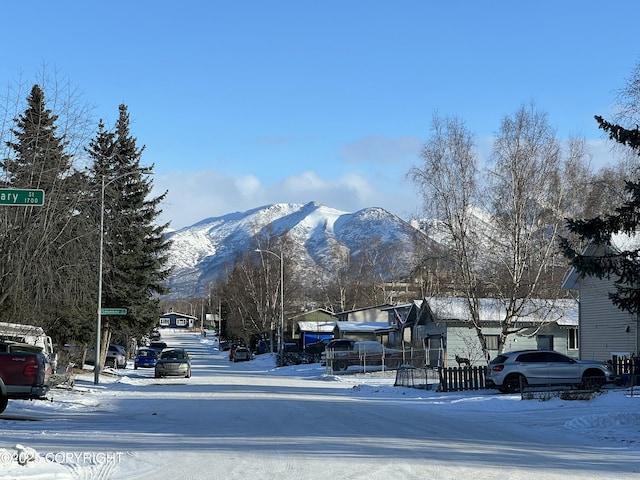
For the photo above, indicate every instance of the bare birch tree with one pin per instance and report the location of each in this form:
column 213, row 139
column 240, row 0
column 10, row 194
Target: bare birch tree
column 448, row 180
column 502, row 244
column 530, row 193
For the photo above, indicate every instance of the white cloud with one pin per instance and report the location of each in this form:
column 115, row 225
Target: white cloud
column 195, row 196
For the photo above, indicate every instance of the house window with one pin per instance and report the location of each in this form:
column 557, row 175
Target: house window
column 545, row 342
column 492, row 342
column 572, row 340
column 181, row 322
column 164, row 322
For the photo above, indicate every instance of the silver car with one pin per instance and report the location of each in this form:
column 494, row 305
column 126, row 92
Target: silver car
column 242, row 354
column 510, row 372
column 175, row 362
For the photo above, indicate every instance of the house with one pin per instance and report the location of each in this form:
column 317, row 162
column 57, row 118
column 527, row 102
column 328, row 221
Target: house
column 441, row 326
column 605, row 330
column 177, row 320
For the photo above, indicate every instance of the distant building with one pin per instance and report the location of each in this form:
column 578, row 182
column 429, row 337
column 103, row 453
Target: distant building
column 177, row 320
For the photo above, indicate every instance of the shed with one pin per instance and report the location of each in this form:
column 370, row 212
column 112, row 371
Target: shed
column 312, row 325
column 362, row 330
column 311, row 332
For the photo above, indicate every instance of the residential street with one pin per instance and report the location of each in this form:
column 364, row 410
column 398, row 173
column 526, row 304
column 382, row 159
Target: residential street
column 243, row 420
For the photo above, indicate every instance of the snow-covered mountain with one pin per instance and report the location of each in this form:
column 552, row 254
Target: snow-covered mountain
column 200, row 253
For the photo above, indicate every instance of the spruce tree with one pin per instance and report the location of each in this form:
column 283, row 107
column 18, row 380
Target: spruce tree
column 621, row 265
column 44, row 270
column 134, row 247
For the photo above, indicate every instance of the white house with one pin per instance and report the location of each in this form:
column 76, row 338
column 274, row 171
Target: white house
column 605, row 330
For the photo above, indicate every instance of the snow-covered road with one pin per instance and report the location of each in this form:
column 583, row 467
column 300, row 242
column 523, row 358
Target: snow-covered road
column 246, row 420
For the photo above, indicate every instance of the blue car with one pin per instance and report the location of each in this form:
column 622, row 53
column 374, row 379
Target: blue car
column 146, row 358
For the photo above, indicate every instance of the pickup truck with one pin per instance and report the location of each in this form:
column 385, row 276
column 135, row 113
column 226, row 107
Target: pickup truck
column 340, row 354
column 24, row 372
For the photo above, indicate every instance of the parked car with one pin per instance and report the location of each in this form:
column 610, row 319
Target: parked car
column 340, row 354
column 145, row 358
column 24, row 372
column 158, row 346
column 116, row 356
column 173, row 362
column 119, row 353
column 242, row 354
column 509, row 371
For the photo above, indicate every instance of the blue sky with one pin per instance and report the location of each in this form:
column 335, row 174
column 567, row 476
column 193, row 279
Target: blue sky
column 247, row 103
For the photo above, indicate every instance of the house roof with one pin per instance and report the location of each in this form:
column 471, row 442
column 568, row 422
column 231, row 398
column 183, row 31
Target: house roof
column 536, row 311
column 620, row 242
column 316, row 311
column 176, row 314
column 319, row 327
column 376, row 307
column 361, row 327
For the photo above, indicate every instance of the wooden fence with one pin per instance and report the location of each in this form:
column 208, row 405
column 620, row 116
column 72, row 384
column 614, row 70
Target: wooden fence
column 626, row 369
column 625, row 365
column 456, row 379
column 452, row 379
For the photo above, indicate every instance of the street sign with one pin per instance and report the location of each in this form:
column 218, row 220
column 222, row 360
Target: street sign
column 14, row 196
column 113, row 311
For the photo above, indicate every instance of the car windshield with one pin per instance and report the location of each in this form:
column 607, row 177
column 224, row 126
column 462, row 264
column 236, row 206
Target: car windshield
column 146, row 353
column 173, row 354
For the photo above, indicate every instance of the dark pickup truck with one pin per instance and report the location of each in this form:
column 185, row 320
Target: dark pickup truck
column 24, row 372
column 340, row 354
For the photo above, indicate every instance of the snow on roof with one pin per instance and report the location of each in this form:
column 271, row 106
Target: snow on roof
column 624, row 242
column 361, row 326
column 316, row 326
column 177, row 314
column 620, row 242
column 536, row 311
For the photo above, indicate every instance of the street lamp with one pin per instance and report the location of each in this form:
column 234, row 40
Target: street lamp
column 281, row 335
column 96, row 368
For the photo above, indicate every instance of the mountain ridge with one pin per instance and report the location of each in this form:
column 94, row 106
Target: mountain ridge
column 200, row 253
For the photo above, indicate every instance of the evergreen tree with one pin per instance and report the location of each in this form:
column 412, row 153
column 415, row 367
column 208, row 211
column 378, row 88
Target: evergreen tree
column 134, row 247
column 623, row 266
column 44, row 274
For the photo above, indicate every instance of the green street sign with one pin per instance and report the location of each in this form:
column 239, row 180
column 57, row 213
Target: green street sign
column 113, row 311
column 14, row 196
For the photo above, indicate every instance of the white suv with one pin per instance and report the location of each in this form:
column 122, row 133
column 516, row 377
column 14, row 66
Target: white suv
column 510, row 372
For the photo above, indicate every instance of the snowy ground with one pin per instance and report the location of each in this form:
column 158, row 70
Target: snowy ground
column 251, row 420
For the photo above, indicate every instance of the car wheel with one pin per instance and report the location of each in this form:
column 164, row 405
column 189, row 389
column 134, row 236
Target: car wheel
column 340, row 366
column 592, row 380
column 110, row 363
column 4, row 401
column 188, row 375
column 135, row 367
column 514, row 383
